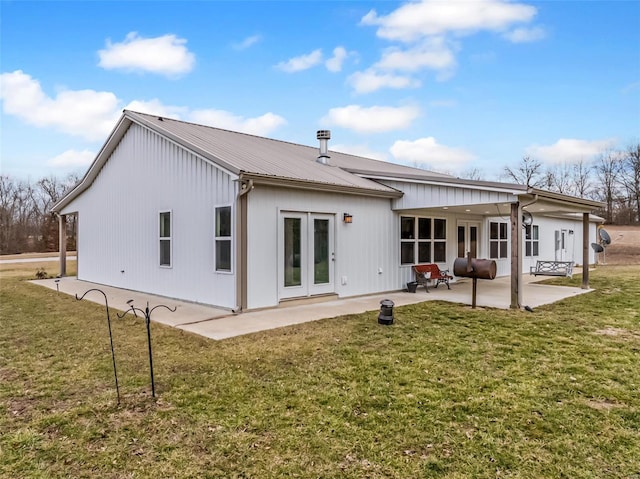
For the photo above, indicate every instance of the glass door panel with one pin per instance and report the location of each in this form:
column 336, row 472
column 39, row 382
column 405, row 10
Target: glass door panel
column 321, row 251
column 468, row 238
column 462, row 241
column 292, row 252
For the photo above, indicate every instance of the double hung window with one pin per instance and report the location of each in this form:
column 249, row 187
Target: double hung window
column 165, row 239
column 498, row 239
column 531, row 242
column 223, row 238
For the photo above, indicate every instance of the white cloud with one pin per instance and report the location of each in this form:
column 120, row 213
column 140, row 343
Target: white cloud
column 156, row 107
column 370, row 80
column 92, row 115
column 373, row 119
column 413, row 21
column 165, row 55
column 261, row 125
column 247, row 42
column 568, row 150
column 87, row 113
column 427, row 151
column 431, row 53
column 526, row 35
column 360, row 150
column 303, row 62
column 427, row 28
column 334, row 64
column 72, row 159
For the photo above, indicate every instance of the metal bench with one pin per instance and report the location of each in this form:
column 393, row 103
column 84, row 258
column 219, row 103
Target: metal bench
column 552, row 268
column 431, row 272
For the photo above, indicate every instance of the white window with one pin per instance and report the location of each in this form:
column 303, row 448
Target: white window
column 423, row 240
column 531, row 242
column 223, row 239
column 498, row 239
column 165, row 239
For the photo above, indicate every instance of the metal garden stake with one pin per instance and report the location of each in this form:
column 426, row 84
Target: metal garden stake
column 113, row 354
column 147, row 318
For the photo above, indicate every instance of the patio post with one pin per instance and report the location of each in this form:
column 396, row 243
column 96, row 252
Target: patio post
column 516, row 267
column 585, row 250
column 62, row 243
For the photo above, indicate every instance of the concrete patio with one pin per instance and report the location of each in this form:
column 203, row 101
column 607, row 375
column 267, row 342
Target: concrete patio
column 219, row 324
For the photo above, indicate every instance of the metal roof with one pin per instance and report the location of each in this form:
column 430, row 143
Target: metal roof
column 287, row 164
column 243, row 153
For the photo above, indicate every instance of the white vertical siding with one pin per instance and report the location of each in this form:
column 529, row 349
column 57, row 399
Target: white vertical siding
column 362, row 247
column 118, row 221
column 547, row 228
column 418, row 195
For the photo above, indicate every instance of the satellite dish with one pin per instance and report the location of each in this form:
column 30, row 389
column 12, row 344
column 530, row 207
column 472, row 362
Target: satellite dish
column 598, row 248
column 527, row 218
column 604, row 237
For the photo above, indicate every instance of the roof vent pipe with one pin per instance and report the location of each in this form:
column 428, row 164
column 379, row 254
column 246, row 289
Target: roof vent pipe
column 324, row 136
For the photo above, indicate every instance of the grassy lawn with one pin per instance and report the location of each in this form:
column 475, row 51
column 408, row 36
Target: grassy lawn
column 445, row 392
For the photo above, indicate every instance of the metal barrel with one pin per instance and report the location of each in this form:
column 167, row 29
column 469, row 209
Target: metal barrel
column 480, row 268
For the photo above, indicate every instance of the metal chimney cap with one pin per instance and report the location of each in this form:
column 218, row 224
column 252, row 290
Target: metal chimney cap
column 324, row 134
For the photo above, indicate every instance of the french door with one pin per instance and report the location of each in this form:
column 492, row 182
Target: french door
column 306, row 254
column 468, row 238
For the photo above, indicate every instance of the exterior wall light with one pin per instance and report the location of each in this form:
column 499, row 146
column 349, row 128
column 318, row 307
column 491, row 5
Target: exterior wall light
column 347, row 218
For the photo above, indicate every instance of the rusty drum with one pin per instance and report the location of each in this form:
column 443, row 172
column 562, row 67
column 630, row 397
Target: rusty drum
column 476, row 268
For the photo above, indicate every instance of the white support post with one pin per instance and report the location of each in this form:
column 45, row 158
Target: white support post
column 62, row 234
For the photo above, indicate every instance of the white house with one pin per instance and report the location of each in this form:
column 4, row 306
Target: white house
column 243, row 222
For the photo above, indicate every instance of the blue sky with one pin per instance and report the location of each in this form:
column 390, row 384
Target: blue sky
column 443, row 85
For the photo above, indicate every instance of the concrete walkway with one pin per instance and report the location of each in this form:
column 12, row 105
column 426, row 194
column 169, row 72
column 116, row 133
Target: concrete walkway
column 216, row 323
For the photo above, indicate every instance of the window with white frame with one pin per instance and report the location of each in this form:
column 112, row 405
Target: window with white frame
column 531, row 242
column 223, row 238
column 165, row 238
column 498, row 239
column 423, row 240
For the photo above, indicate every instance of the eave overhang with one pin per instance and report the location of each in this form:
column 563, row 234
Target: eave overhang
column 280, row 182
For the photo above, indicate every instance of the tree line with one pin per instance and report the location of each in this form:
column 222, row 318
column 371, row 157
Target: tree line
column 26, row 221
column 613, row 178
column 27, row 224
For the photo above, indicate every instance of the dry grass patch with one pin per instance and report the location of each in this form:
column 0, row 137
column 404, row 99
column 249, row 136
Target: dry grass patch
column 618, row 332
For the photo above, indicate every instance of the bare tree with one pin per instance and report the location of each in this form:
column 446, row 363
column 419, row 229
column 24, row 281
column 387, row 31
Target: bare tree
column 528, row 172
column 472, row 174
column 26, row 221
column 581, row 179
column 630, row 178
column 608, row 172
column 558, row 178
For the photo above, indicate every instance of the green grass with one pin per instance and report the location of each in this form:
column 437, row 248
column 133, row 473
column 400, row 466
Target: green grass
column 445, row 392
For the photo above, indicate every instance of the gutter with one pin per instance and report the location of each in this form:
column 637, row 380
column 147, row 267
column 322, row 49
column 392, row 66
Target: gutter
column 266, row 180
column 535, row 200
column 560, row 198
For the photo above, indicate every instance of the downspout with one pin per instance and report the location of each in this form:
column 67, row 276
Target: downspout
column 241, row 245
column 534, row 200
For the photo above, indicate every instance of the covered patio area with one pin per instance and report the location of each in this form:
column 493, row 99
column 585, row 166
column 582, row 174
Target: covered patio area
column 215, row 323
